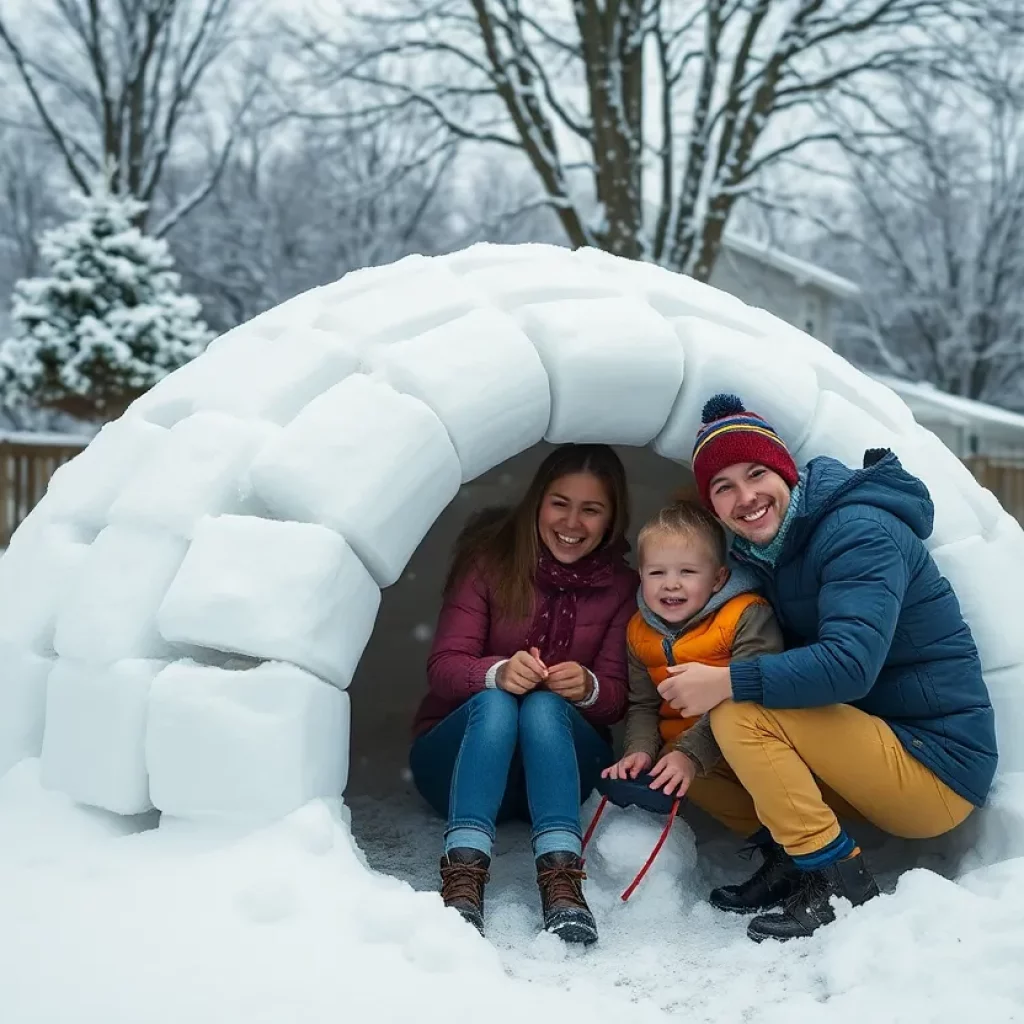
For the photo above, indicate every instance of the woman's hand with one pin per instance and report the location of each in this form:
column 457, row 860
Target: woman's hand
column 523, row 672
column 694, row 689
column 569, row 680
column 673, row 774
column 628, row 767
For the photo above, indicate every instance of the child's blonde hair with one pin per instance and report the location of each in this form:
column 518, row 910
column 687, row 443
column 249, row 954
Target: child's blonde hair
column 690, row 519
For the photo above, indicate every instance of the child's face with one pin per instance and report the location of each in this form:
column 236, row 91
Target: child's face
column 678, row 575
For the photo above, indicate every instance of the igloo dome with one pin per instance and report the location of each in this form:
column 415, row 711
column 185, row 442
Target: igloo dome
column 182, row 614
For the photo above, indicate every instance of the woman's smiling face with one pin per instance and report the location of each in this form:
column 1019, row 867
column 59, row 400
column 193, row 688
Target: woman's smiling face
column 750, row 500
column 574, row 516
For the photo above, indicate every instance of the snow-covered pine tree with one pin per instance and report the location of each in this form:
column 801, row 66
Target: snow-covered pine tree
column 108, row 322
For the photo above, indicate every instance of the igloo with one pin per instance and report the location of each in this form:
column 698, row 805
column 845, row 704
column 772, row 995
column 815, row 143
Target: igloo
column 183, row 613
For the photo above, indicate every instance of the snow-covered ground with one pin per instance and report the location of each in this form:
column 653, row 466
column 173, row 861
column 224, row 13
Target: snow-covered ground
column 115, row 920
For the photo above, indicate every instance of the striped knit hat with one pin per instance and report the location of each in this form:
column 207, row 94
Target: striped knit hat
column 729, row 434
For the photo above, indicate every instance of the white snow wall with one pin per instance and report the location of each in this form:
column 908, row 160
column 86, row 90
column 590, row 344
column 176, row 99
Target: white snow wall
column 182, row 614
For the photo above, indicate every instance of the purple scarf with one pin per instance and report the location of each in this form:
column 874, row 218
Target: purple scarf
column 557, row 587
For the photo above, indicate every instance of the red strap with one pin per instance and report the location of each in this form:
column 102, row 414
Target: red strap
column 654, row 853
column 593, row 822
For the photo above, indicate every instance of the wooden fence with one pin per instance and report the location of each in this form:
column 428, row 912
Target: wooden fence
column 27, row 461
column 1004, row 477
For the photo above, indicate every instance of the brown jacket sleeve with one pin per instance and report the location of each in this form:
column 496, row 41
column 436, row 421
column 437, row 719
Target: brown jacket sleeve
column 757, row 633
column 642, row 734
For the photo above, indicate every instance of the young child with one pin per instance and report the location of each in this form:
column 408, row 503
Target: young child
column 690, row 609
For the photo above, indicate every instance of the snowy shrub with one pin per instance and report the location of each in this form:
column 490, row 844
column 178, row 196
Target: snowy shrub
column 108, row 322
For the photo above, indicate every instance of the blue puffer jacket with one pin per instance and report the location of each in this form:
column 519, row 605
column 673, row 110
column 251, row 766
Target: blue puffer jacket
column 877, row 626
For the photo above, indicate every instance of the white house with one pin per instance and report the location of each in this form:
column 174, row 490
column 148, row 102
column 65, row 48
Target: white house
column 798, row 292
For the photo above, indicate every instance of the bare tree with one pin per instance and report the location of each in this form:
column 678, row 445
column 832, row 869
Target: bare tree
column 299, row 205
column 27, row 205
column 936, row 237
column 112, row 83
column 645, row 121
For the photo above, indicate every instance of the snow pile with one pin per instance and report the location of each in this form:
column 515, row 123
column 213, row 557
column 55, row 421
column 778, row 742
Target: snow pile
column 107, row 918
column 180, row 923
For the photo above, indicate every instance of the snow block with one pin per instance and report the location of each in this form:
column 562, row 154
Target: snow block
column 483, row 379
column 286, row 318
column 374, row 465
column 614, row 364
column 673, row 295
column 552, row 278
column 23, row 675
column 843, row 431
column 836, row 374
column 202, row 469
column 982, row 501
column 1006, row 689
column 983, row 573
column 255, row 744
column 252, row 377
column 484, row 255
column 82, row 490
column 367, row 278
column 719, row 359
column 38, row 568
column 935, row 465
column 291, row 592
column 403, row 304
column 95, row 737
column 109, row 613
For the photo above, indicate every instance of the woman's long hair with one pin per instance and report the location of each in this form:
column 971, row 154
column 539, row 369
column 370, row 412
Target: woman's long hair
column 504, row 542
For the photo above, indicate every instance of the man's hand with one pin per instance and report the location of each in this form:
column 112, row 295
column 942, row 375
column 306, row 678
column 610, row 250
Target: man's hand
column 569, row 680
column 694, row 689
column 673, row 774
column 523, row 672
column 628, row 767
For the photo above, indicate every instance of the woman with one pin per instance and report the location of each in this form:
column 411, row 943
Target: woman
column 877, row 710
column 527, row 670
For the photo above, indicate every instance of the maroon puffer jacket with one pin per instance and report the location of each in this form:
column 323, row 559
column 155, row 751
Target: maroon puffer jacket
column 469, row 640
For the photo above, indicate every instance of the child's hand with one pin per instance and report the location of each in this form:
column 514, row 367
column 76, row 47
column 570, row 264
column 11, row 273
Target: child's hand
column 673, row 774
column 628, row 767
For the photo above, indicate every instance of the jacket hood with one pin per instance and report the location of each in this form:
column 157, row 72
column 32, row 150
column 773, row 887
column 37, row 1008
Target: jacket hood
column 883, row 483
column 741, row 581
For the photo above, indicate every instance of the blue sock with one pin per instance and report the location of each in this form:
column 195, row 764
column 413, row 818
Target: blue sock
column 840, row 848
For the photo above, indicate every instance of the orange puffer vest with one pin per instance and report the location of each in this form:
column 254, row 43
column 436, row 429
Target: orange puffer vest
column 709, row 642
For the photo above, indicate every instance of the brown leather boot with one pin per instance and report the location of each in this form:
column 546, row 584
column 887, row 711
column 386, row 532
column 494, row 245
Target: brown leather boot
column 560, row 878
column 463, row 877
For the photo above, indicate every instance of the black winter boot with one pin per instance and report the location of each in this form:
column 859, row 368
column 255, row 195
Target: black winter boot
column 810, row 906
column 463, row 877
column 560, row 878
column 770, row 885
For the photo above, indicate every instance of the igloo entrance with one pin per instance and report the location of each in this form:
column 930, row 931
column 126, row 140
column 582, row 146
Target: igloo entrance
column 391, row 677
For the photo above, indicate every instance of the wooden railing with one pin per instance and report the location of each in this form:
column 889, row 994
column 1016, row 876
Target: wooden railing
column 27, row 461
column 1004, row 477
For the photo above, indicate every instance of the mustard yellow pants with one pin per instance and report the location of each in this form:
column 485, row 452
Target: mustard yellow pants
column 798, row 771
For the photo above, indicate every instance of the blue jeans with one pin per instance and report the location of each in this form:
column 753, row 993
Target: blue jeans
column 499, row 757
